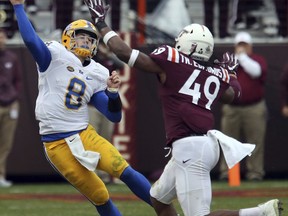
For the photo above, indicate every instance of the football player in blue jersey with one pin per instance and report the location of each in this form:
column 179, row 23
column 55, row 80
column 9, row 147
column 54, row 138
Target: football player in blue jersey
column 189, row 87
column 68, row 80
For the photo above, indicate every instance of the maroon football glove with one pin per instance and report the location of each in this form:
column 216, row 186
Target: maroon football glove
column 97, row 10
column 229, row 62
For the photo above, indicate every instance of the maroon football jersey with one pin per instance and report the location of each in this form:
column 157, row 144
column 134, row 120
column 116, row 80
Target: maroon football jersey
column 189, row 93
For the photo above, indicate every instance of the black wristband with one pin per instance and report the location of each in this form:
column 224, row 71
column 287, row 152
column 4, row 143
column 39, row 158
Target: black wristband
column 114, row 104
column 100, row 25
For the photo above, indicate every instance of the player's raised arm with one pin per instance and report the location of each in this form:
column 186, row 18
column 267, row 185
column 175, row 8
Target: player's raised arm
column 36, row 46
column 132, row 57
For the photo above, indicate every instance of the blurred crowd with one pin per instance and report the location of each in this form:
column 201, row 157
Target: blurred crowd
column 261, row 18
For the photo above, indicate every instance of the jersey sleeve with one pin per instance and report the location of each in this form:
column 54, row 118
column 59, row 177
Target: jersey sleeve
column 103, row 76
column 165, row 53
column 35, row 45
column 168, row 57
column 101, row 101
column 55, row 48
column 100, row 74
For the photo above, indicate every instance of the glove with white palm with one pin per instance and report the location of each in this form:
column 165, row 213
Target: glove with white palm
column 98, row 11
column 229, row 62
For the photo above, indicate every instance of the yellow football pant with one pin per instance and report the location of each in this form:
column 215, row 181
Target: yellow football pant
column 87, row 182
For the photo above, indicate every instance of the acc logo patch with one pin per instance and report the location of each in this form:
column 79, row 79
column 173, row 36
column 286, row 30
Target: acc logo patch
column 71, row 69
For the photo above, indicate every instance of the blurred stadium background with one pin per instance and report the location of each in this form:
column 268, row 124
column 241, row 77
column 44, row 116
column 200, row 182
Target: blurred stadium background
column 144, row 24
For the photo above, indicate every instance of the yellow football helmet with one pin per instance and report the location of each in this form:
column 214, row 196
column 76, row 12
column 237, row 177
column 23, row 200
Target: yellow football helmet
column 69, row 36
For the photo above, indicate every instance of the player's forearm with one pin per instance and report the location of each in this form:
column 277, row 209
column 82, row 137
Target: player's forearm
column 114, row 109
column 130, row 56
column 109, row 104
column 115, row 44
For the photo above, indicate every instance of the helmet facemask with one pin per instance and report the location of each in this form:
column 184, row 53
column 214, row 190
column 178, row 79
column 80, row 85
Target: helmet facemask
column 86, row 52
column 71, row 33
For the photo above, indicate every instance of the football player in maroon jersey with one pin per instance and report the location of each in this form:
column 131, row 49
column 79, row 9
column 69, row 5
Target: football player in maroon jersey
column 190, row 86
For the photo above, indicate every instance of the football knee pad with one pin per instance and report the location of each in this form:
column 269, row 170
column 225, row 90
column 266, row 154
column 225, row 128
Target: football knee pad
column 99, row 196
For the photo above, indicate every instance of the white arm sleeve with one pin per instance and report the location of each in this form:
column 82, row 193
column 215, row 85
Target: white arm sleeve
column 250, row 66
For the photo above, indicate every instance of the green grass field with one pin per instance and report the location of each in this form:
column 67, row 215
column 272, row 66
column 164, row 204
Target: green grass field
column 63, row 200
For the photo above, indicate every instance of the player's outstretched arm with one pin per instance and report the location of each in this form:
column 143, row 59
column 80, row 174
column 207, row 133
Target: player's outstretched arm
column 132, row 57
column 36, row 46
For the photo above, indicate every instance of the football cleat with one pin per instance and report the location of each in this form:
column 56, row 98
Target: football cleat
column 271, row 208
column 5, row 183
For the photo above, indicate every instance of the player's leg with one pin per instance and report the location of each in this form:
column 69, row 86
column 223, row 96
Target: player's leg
column 104, row 128
column 108, row 209
column 163, row 209
column 225, row 213
column 113, row 163
column 163, row 191
column 195, row 158
column 85, row 181
column 269, row 208
column 137, row 183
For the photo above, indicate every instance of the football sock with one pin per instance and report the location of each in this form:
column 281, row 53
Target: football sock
column 250, row 212
column 137, row 183
column 108, row 209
